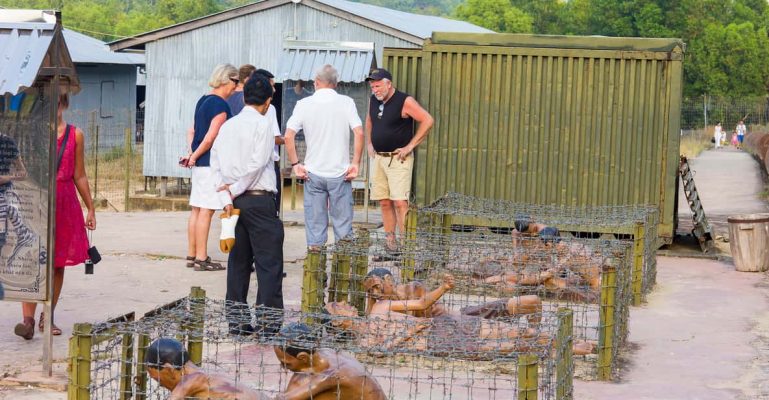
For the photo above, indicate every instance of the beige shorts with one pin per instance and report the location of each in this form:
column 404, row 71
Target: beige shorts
column 391, row 178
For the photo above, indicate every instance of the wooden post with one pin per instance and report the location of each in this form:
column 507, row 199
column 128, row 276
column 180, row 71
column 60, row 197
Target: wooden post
column 409, row 264
column 313, row 282
column 143, row 341
column 79, row 387
column 128, row 152
column 163, row 186
column 126, row 367
column 360, row 269
column 638, row 264
column 564, row 341
column 339, row 288
column 94, row 131
column 196, row 329
column 293, row 193
column 606, row 322
column 528, row 377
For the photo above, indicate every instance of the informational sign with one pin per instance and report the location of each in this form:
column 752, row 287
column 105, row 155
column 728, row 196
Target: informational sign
column 25, row 138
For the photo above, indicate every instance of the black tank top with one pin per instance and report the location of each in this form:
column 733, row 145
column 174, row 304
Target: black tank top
column 390, row 132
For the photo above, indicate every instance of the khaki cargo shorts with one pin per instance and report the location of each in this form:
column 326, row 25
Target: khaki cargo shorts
column 391, row 178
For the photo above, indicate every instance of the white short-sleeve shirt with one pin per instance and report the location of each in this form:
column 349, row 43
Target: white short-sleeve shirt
column 326, row 118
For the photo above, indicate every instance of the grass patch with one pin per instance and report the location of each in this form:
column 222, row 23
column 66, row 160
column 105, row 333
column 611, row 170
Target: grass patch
column 694, row 143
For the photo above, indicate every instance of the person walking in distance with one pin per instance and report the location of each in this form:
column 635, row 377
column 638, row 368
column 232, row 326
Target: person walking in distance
column 391, row 143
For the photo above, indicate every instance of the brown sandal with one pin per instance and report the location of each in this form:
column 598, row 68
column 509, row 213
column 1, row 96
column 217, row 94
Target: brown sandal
column 190, row 262
column 208, row 265
column 55, row 331
column 25, row 329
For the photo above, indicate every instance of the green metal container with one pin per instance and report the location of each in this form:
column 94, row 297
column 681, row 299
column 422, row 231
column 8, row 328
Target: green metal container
column 561, row 120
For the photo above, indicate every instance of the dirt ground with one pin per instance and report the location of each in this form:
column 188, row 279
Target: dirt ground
column 703, row 334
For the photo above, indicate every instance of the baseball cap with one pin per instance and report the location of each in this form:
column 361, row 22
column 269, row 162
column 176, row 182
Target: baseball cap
column 378, row 74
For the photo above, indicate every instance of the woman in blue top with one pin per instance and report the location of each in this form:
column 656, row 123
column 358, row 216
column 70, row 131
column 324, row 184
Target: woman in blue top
column 211, row 112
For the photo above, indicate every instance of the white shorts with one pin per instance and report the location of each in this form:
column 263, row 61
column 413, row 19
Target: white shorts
column 203, row 193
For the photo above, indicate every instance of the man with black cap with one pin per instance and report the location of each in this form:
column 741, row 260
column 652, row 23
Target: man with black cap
column 391, row 143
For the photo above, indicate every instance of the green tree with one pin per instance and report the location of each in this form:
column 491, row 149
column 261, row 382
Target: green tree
column 497, row 15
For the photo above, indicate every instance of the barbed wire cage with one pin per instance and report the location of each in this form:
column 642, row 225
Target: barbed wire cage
column 106, row 359
column 589, row 276
column 636, row 224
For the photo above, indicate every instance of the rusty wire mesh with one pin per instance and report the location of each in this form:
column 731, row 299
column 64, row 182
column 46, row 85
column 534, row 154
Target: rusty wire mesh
column 404, row 370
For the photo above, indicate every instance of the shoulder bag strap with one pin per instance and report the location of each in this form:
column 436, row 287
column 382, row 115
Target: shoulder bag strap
column 63, row 145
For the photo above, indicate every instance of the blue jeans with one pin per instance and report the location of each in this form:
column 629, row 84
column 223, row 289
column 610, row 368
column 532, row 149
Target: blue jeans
column 324, row 196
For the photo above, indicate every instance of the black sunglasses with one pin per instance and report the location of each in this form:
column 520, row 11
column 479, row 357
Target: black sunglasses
column 235, row 80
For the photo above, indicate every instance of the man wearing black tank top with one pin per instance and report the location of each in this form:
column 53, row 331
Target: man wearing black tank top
column 391, row 143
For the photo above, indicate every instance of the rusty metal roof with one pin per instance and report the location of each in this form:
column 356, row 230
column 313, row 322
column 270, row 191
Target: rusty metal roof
column 23, row 47
column 301, row 59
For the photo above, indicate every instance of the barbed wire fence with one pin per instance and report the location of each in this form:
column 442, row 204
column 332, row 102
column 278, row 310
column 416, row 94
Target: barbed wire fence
column 636, row 224
column 493, row 277
column 107, row 359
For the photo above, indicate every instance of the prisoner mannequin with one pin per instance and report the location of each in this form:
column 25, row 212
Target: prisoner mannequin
column 379, row 286
column 321, row 374
column 168, row 363
column 468, row 337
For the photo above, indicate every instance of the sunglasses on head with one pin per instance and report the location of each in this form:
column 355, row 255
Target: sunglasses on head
column 381, row 110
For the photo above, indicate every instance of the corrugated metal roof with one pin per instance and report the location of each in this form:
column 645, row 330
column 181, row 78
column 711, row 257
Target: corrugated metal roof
column 85, row 49
column 301, row 59
column 381, row 18
column 414, row 24
column 23, row 47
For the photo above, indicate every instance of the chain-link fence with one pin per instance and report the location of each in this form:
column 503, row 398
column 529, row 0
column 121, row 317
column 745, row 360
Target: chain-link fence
column 706, row 111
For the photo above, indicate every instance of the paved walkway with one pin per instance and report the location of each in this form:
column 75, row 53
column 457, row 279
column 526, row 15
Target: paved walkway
column 704, row 333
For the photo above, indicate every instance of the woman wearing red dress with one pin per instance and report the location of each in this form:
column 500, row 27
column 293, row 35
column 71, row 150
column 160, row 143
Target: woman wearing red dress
column 71, row 240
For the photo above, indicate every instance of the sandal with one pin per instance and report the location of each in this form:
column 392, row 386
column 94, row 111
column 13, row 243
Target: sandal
column 25, row 329
column 208, row 265
column 55, row 331
column 190, row 262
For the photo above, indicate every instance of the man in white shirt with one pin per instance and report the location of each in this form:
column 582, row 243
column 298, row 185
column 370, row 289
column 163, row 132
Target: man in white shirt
column 242, row 165
column 326, row 118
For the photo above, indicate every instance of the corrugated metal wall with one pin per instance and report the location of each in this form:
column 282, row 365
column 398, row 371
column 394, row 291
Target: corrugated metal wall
column 548, row 125
column 178, row 68
column 107, row 99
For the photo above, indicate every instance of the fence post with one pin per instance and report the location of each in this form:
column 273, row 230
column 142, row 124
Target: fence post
column 195, row 330
column 79, row 387
column 339, row 288
column 606, row 325
column 528, row 377
column 360, row 269
column 638, row 263
column 564, row 342
column 95, row 132
column 128, row 156
column 126, row 367
column 313, row 281
column 409, row 264
column 143, row 342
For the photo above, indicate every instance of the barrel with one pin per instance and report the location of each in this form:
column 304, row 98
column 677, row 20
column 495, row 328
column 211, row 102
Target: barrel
column 749, row 241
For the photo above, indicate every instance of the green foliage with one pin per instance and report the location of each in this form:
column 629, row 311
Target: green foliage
column 727, row 46
column 497, row 15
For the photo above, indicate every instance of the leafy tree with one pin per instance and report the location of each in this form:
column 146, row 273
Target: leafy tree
column 497, row 15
